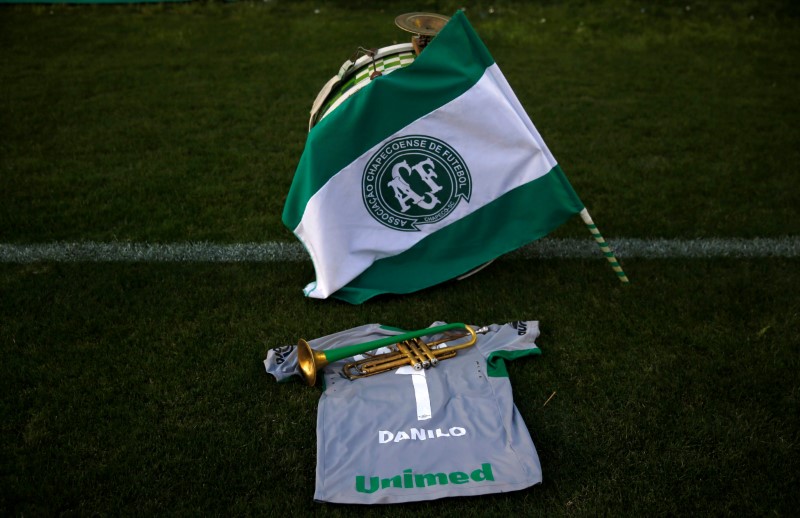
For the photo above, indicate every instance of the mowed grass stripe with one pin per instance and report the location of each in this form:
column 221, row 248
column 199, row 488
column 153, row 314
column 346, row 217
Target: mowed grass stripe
column 706, row 248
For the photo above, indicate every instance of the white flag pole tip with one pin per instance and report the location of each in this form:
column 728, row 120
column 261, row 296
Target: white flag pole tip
column 587, row 219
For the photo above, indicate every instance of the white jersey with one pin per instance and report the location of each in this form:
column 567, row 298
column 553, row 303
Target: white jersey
column 408, row 435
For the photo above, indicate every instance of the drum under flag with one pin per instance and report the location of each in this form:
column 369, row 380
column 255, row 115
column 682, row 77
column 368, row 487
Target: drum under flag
column 422, row 175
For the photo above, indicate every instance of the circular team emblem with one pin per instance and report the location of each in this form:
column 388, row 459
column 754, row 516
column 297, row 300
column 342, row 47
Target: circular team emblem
column 414, row 180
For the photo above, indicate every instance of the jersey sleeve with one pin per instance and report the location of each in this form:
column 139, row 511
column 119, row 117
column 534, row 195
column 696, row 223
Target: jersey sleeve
column 509, row 342
column 281, row 362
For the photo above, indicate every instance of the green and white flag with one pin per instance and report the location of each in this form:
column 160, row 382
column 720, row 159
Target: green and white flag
column 425, row 174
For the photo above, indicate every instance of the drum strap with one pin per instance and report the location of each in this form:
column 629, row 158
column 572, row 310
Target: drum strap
column 322, row 95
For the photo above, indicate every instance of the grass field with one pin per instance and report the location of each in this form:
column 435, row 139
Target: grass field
column 137, row 388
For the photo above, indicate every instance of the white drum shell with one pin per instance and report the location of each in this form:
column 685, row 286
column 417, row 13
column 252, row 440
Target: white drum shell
column 386, row 60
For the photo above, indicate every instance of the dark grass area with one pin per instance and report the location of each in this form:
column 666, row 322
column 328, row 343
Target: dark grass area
column 185, row 122
column 138, row 388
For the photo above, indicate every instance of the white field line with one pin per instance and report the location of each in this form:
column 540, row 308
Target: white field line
column 706, row 248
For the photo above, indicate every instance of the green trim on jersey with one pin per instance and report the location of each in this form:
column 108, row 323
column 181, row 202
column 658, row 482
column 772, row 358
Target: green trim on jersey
column 496, row 362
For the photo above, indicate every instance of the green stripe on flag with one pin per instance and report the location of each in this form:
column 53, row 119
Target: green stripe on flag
column 520, row 216
column 450, row 65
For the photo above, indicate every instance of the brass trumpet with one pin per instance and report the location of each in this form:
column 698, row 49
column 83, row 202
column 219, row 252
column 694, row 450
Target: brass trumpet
column 410, row 351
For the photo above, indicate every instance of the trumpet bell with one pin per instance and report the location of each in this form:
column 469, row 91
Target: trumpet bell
column 310, row 361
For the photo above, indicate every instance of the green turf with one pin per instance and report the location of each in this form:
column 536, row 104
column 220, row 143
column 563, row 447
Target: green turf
column 185, row 122
column 138, row 388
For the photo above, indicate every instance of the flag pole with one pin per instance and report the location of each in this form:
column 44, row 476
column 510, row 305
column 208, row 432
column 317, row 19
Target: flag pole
column 587, row 219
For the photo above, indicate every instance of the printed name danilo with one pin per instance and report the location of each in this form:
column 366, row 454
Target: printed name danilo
column 419, row 434
column 414, row 180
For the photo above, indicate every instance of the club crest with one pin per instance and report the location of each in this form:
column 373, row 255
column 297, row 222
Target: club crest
column 414, row 180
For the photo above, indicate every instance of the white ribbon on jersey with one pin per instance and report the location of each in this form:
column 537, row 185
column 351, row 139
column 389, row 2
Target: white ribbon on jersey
column 421, row 393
